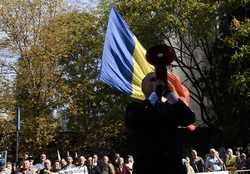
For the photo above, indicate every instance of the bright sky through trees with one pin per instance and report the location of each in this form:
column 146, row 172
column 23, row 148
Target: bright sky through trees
column 83, row 3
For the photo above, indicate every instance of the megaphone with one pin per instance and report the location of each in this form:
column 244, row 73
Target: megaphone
column 160, row 56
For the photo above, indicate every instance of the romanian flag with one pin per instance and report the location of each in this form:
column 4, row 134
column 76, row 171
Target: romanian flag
column 124, row 65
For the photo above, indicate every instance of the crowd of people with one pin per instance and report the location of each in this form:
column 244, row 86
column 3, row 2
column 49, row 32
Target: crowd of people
column 85, row 165
column 220, row 160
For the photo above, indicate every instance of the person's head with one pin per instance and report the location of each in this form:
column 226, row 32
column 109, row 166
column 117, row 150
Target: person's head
column 117, row 155
column 63, row 162
column 30, row 158
column 229, row 152
column 90, row 160
column 130, row 159
column 120, row 161
column 70, row 160
column 243, row 156
column 105, row 159
column 237, row 153
column 212, row 152
column 43, row 157
column 26, row 164
column 57, row 165
column 9, row 165
column 82, row 160
column 47, row 164
column 194, row 154
column 95, row 158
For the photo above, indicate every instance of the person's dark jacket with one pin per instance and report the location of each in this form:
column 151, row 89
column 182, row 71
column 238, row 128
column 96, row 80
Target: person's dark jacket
column 152, row 135
column 93, row 169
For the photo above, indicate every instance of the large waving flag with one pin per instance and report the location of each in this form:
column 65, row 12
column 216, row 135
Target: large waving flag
column 123, row 61
column 124, row 64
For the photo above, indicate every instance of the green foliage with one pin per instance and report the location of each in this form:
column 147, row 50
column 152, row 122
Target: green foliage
column 36, row 133
column 240, row 78
column 7, row 134
column 164, row 18
column 212, row 51
column 58, row 66
column 57, row 70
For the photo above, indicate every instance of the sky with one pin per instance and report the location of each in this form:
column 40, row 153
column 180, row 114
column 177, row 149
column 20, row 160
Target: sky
column 83, row 3
column 6, row 55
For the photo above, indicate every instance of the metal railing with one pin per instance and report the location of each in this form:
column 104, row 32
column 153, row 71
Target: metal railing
column 247, row 171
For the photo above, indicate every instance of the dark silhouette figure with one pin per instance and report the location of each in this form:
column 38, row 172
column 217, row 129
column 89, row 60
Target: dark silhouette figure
column 152, row 127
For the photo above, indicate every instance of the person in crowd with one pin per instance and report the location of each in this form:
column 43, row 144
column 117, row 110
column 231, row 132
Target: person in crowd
column 106, row 166
column 243, row 158
column 213, row 162
column 186, row 163
column 121, row 168
column 40, row 165
column 129, row 164
column 237, row 154
column 47, row 167
column 57, row 166
column 32, row 166
column 95, row 160
column 230, row 160
column 197, row 162
column 9, row 168
column 152, row 124
column 247, row 162
column 76, row 159
column 222, row 153
column 63, row 163
column 25, row 169
column 116, row 158
column 14, row 167
column 93, row 169
column 82, row 165
column 70, row 163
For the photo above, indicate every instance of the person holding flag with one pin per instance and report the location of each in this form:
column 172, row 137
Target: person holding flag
column 162, row 101
column 152, row 124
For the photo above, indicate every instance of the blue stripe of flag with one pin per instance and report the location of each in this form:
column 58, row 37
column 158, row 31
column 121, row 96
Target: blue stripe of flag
column 117, row 58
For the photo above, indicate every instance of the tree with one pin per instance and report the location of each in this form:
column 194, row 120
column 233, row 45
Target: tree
column 179, row 24
column 196, row 29
column 240, row 75
column 57, row 71
column 22, row 21
column 86, row 101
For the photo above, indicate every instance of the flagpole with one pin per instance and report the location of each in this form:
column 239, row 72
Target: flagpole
column 58, row 155
column 17, row 133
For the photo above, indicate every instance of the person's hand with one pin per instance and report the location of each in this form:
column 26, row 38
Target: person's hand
column 216, row 154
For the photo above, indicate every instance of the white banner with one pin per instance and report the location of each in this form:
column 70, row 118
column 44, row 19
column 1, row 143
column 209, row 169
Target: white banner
column 220, row 172
column 75, row 170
